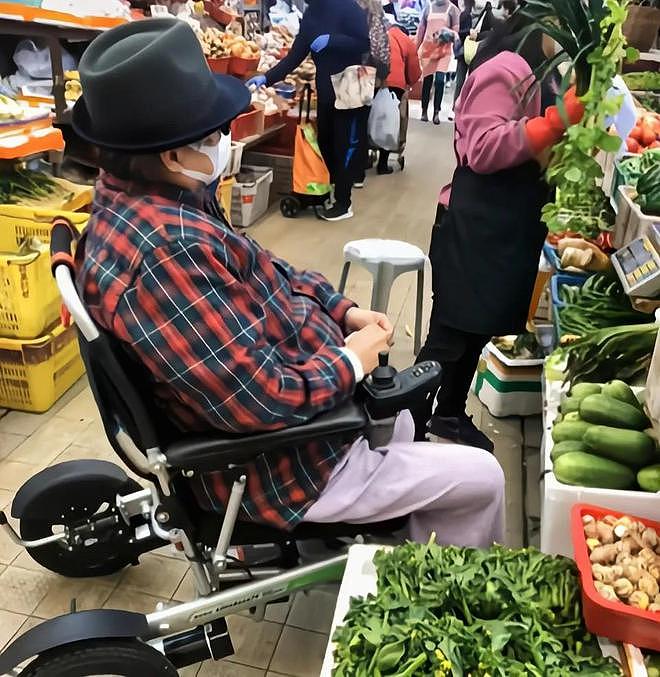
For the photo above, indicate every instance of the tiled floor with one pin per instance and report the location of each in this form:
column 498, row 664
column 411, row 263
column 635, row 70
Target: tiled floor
column 292, row 639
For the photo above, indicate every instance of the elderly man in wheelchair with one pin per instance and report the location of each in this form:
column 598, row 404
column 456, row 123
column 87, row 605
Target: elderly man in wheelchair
column 254, row 399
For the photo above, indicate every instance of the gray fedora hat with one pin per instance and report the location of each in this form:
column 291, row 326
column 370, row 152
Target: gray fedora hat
column 147, row 88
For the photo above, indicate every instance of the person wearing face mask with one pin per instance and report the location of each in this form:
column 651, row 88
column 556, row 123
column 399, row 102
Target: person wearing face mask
column 231, row 337
column 488, row 234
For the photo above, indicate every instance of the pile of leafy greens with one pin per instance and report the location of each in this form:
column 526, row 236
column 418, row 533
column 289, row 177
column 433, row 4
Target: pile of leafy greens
column 448, row 611
column 593, row 46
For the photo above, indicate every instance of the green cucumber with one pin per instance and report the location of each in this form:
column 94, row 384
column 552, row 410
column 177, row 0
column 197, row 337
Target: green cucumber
column 569, row 430
column 587, row 470
column 621, row 391
column 566, row 447
column 649, row 478
column 604, row 410
column 581, row 390
column 630, row 447
column 570, row 404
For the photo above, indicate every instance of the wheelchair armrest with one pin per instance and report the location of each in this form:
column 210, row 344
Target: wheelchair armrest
column 216, row 453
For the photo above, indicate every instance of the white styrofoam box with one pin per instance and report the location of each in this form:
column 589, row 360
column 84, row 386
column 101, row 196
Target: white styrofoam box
column 235, row 158
column 631, row 221
column 249, row 197
column 507, row 386
column 558, row 498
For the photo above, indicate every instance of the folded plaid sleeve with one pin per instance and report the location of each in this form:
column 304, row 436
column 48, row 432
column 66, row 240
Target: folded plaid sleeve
column 315, row 285
column 202, row 330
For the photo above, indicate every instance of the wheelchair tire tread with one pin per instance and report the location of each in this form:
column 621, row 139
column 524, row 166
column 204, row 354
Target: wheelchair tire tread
column 100, row 654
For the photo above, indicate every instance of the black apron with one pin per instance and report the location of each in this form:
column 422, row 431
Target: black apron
column 485, row 251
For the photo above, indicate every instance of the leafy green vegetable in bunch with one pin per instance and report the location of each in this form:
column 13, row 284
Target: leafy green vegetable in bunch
column 622, row 353
column 447, row 611
column 645, row 81
column 633, row 167
column 599, row 302
column 20, row 184
column 592, row 41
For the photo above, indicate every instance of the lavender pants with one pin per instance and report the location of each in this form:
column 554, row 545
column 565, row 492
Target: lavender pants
column 452, row 490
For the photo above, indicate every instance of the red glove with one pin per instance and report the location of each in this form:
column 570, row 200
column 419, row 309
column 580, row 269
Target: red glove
column 544, row 131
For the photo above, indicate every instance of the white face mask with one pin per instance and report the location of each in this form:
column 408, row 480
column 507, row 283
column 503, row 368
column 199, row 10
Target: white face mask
column 218, row 154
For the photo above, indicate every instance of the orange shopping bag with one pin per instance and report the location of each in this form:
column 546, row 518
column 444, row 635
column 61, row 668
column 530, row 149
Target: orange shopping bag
column 310, row 175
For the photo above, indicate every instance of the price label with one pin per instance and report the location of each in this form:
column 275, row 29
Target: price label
column 159, row 11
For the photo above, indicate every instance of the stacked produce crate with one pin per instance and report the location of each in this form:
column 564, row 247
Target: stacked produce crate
column 39, row 357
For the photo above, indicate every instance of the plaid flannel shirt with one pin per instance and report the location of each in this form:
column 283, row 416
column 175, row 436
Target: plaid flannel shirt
column 234, row 338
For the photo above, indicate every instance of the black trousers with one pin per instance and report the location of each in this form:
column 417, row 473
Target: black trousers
column 342, row 136
column 458, row 353
column 461, row 75
column 437, row 82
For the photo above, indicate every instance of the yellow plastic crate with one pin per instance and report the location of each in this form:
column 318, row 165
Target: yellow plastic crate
column 35, row 374
column 29, row 300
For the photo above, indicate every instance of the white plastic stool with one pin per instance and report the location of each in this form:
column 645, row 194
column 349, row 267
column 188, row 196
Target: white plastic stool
column 386, row 260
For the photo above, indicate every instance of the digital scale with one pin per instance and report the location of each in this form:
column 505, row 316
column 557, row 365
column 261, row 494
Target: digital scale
column 638, row 265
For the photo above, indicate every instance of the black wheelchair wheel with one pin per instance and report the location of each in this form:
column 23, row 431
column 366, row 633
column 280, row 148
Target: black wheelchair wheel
column 106, row 550
column 122, row 658
column 290, row 206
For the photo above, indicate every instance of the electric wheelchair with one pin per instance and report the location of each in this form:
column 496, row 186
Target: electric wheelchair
column 89, row 518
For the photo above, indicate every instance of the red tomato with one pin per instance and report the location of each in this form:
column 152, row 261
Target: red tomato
column 637, row 132
column 633, row 145
column 648, row 136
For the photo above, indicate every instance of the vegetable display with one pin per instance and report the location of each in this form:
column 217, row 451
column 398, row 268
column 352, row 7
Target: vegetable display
column 21, row 186
column 606, row 354
column 644, row 81
column 592, row 40
column 582, row 254
column 600, row 440
column 522, row 346
column 625, row 560
column 645, row 134
column 648, row 191
column 442, row 611
column 631, row 168
column 600, row 302
column 10, row 109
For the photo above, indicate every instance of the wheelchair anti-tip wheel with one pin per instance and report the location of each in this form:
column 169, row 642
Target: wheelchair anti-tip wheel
column 122, row 658
column 290, row 207
column 97, row 552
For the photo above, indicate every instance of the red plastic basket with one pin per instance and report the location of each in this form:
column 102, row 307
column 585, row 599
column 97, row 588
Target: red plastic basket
column 243, row 67
column 248, row 124
column 218, row 12
column 615, row 620
column 220, row 65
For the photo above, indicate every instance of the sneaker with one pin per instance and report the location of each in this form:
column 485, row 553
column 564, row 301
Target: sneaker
column 359, row 184
column 337, row 213
column 451, row 116
column 386, row 169
column 460, row 429
column 425, row 117
column 436, row 119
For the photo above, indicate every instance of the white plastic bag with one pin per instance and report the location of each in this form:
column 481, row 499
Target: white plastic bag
column 385, row 120
column 354, row 87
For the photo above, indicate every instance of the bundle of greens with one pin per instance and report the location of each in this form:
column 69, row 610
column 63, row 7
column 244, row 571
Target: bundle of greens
column 447, row 611
column 622, row 353
column 21, row 186
column 631, row 168
column 592, row 43
column 600, row 302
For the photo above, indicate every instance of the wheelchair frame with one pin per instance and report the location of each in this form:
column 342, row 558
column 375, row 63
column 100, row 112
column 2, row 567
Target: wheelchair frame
column 189, row 632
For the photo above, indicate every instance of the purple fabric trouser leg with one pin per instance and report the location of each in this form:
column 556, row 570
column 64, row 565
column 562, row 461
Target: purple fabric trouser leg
column 452, row 490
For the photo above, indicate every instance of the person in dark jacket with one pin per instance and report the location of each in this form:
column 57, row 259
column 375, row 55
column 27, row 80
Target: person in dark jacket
column 464, row 29
column 488, row 236
column 337, row 35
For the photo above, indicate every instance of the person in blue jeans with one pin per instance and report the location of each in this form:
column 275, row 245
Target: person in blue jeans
column 336, row 34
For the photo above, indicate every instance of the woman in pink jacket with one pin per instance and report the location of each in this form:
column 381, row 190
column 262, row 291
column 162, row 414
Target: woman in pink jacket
column 488, row 236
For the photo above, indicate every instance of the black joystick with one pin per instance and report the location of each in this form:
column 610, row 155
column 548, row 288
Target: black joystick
column 382, row 377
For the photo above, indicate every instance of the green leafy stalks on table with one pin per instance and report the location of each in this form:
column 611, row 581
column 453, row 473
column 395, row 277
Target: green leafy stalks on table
column 600, row 302
column 590, row 34
column 644, row 81
column 21, row 185
column 607, row 354
column 461, row 612
column 631, row 168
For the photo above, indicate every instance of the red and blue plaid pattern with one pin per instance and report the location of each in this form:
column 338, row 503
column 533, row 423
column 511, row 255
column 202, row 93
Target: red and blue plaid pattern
column 234, row 338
